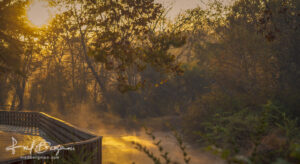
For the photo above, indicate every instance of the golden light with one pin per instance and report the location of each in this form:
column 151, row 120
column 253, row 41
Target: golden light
column 38, row 13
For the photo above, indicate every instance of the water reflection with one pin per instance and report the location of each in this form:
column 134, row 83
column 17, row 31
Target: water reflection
column 119, row 150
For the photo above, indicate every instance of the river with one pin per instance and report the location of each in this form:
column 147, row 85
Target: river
column 118, row 149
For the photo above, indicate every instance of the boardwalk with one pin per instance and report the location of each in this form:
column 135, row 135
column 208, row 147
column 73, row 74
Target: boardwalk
column 32, row 128
column 23, row 139
column 23, row 135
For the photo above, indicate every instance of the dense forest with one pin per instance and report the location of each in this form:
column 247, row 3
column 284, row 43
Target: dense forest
column 229, row 74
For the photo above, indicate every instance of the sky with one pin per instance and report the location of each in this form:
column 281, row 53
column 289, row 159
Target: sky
column 182, row 5
column 179, row 5
column 39, row 14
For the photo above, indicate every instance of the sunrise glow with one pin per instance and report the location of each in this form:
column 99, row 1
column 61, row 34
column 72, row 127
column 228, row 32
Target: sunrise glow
column 38, row 13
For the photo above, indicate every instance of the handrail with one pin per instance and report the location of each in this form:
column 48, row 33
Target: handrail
column 58, row 130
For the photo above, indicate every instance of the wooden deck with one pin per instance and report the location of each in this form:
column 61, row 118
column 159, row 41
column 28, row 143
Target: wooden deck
column 22, row 139
column 26, row 127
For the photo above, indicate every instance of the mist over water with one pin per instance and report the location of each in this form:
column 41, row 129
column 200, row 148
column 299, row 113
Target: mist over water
column 118, row 136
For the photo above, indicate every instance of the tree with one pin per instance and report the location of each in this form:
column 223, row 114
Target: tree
column 15, row 57
column 11, row 29
column 123, row 35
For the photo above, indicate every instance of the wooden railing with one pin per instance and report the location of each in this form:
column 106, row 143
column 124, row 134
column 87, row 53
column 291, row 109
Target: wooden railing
column 57, row 130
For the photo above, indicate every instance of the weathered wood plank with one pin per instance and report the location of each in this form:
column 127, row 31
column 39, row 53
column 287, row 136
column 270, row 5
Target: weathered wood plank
column 63, row 132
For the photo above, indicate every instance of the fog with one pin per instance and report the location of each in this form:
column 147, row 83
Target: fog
column 118, row 136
